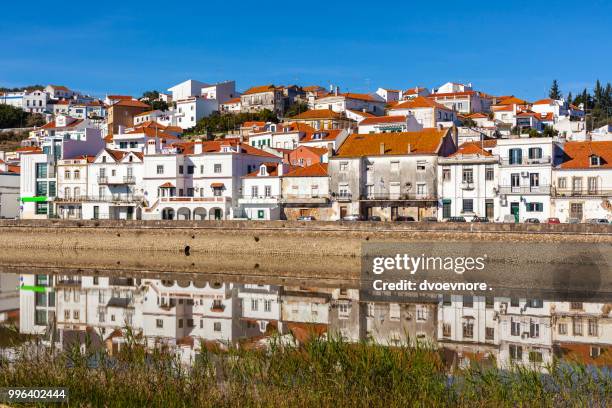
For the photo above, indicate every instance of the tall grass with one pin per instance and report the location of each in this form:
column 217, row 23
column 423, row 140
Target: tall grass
column 319, row 373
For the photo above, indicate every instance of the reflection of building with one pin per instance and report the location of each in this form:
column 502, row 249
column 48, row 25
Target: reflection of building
column 187, row 315
column 9, row 296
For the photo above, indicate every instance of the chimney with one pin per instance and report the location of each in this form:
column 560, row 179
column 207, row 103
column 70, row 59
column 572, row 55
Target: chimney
column 382, row 148
column 280, row 169
column 337, row 90
column 330, row 150
column 197, row 147
column 409, row 148
column 152, row 146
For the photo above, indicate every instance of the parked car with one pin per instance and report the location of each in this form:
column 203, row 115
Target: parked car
column 430, row 219
column 553, row 220
column 597, row 221
column 374, row 218
column 573, row 221
column 306, row 218
column 403, row 218
column 532, row 221
column 480, row 219
column 456, row 219
column 353, row 217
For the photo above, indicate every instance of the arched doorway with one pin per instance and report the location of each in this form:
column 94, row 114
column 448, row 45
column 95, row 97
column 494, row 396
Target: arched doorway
column 183, row 213
column 168, row 213
column 199, row 213
column 215, row 214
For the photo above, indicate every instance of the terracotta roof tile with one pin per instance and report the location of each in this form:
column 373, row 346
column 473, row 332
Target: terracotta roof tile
column 471, row 148
column 315, row 170
column 383, row 119
column 418, row 103
column 426, row 141
column 260, row 89
column 578, row 155
column 131, row 104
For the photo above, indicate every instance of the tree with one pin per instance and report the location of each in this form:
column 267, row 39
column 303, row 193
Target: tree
column 555, row 92
column 549, row 131
column 569, row 99
column 12, row 117
column 469, row 122
column 296, row 108
column 151, row 98
column 35, row 120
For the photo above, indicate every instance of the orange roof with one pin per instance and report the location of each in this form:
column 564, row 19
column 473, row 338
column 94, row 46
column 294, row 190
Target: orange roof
column 232, row 101
column 383, row 119
column 315, row 170
column 312, row 88
column 59, row 87
column 145, row 113
column 414, row 90
column 14, row 169
column 166, row 185
column 418, row 103
column 51, row 125
column 217, row 185
column 131, row 104
column 259, row 89
column 214, row 146
column 512, row 101
column 29, row 149
column 471, row 148
column 361, row 113
column 579, row 155
column 324, row 135
column 426, row 141
column 546, row 101
column 272, row 169
column 477, row 115
column 115, row 154
column 119, row 97
column 362, row 97
column 318, row 114
column 254, row 124
column 316, row 150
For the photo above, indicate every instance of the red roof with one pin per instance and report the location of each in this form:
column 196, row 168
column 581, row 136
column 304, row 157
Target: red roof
column 217, row 185
column 383, row 119
column 546, row 101
column 471, row 148
column 315, row 170
column 418, row 103
column 578, row 155
column 167, row 185
column 131, row 104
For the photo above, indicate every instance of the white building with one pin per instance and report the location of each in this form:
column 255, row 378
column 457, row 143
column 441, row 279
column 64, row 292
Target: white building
column 338, row 102
column 261, row 192
column 525, row 176
column 462, row 98
column 582, row 181
column 9, row 192
column 383, row 124
column 195, row 100
column 389, row 95
column 72, row 186
column 468, row 181
column 427, row 112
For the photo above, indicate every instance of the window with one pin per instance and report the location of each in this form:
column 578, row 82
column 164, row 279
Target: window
column 77, row 174
column 267, row 305
column 534, row 179
column 101, row 316
column 217, row 326
column 468, row 329
column 41, row 208
column 489, row 333
column 489, row 173
column 67, row 174
column 577, row 326
column 468, row 175
column 101, row 296
column 534, row 330
column 394, row 312
column 562, row 182
column 562, row 328
column 592, row 184
column 446, row 329
column 535, row 153
column 577, row 184
column 515, row 327
column 535, row 303
column 516, row 156
column 421, row 312
column 41, row 188
column 190, row 169
column 190, row 323
column 160, row 169
column 261, row 214
column 515, row 180
column 595, row 160
column 514, row 302
column 159, row 323
column 268, row 191
column 489, row 302
column 468, row 205
column 66, row 314
column 180, row 323
column 395, row 166
column 421, row 188
column 217, row 168
column 180, row 169
column 343, row 166
column 254, row 191
column 535, row 207
column 446, row 300
column 254, row 305
column 516, row 352
column 595, row 351
column 468, row 301
column 421, row 165
column 593, row 328
column 76, row 315
column 202, row 169
column 446, row 174
column 535, row 356
column 41, row 170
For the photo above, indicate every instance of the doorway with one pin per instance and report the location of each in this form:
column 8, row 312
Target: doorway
column 514, row 210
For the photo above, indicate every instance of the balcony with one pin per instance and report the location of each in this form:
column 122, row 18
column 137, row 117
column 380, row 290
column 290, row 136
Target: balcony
column 343, row 196
column 467, row 186
column 257, row 199
column 110, row 198
column 525, row 161
column 582, row 192
column 398, row 197
column 214, row 199
column 306, row 198
column 103, row 180
column 524, row 189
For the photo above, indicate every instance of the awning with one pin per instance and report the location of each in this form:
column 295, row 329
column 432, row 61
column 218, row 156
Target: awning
column 217, row 185
column 167, row 185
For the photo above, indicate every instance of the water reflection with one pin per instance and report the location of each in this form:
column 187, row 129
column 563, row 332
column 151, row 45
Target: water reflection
column 188, row 315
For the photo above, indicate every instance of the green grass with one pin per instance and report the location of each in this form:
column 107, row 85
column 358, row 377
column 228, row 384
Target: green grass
column 320, row 373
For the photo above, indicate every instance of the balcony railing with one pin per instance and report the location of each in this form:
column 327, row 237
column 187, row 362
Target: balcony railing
column 343, row 196
column 122, row 198
column 523, row 161
column 581, row 192
column 104, row 180
column 545, row 189
column 214, row 199
column 397, row 197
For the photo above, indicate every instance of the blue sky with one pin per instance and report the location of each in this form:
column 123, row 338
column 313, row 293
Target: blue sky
column 129, row 46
